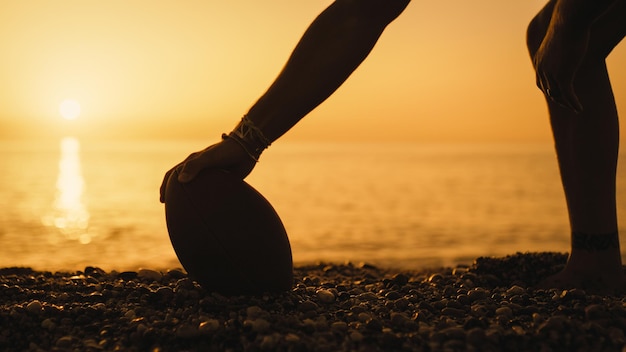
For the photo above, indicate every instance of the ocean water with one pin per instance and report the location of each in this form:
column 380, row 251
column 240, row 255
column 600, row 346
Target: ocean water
column 70, row 203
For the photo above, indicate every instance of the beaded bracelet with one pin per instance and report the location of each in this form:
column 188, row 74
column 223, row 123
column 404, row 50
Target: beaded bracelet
column 249, row 137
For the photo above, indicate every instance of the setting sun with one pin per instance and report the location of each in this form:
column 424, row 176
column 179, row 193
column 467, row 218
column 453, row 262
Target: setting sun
column 69, row 109
column 182, row 71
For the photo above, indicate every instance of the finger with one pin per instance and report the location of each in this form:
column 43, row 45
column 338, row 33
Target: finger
column 189, row 169
column 570, row 101
column 553, row 92
column 551, row 87
column 164, row 185
column 546, row 85
column 565, row 98
column 168, row 175
column 539, row 79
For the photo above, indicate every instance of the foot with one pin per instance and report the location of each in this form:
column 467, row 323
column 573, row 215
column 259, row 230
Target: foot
column 602, row 283
column 595, row 272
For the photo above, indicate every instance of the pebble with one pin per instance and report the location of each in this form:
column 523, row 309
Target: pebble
column 149, row 275
column 130, row 314
column 176, row 274
column 486, row 306
column 364, row 317
column 209, row 326
column 577, row 294
column 557, row 322
column 34, row 307
column 356, row 336
column 393, row 295
column 476, row 336
column 505, row 312
column 48, row 324
column 254, row 312
column 458, row 271
column 187, row 331
column 257, row 325
column 64, row 342
column 292, row 338
column 339, row 326
column 435, row 278
column 165, row 293
column 478, row 293
column 453, row 312
column 325, row 296
column 596, row 311
column 367, row 296
column 454, row 333
column 400, row 319
column 127, row 275
column 515, row 290
column 307, row 306
column 401, row 303
column 268, row 342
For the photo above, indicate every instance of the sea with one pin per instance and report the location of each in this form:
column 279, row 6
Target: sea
column 69, row 203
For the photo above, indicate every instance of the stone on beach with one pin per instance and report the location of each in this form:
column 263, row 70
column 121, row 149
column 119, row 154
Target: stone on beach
column 490, row 305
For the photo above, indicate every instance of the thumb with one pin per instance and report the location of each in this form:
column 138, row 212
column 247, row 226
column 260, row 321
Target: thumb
column 195, row 163
column 190, row 169
column 185, row 175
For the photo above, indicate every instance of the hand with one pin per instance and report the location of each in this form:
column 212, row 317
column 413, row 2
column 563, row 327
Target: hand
column 556, row 63
column 226, row 155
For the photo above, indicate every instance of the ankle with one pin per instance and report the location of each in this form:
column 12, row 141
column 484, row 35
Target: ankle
column 595, row 242
column 595, row 262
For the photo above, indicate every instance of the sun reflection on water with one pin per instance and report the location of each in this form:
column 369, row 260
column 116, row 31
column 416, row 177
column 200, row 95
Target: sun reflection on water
column 69, row 217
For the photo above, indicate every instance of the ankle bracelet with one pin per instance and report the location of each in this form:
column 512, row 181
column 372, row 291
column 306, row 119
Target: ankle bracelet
column 595, row 242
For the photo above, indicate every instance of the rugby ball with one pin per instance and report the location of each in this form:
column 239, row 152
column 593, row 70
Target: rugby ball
column 226, row 235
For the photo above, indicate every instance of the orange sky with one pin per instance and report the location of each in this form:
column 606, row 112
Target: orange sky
column 443, row 71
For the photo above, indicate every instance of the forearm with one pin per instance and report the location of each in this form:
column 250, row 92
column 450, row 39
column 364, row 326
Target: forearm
column 578, row 15
column 333, row 46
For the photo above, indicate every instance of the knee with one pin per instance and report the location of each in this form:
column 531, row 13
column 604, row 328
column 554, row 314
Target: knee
column 600, row 43
column 376, row 13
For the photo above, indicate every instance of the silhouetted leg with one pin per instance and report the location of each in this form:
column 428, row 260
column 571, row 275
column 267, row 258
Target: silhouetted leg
column 587, row 149
column 333, row 46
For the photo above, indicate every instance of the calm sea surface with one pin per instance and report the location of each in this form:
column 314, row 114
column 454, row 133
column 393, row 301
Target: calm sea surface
column 71, row 203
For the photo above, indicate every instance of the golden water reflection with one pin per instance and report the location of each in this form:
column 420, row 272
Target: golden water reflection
column 69, row 215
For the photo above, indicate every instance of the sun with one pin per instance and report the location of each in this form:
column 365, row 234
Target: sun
column 69, row 109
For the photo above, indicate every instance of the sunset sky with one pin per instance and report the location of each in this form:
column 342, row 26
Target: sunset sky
column 443, row 71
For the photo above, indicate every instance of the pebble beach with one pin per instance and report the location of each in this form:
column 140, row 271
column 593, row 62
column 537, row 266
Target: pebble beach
column 487, row 306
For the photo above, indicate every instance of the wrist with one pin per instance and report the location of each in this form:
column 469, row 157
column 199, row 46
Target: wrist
column 249, row 137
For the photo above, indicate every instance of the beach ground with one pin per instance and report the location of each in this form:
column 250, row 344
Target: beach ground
column 487, row 306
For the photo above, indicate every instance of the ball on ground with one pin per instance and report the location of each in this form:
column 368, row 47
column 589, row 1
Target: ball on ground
column 227, row 236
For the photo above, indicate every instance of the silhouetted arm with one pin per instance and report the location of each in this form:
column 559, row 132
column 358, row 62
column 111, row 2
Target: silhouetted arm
column 333, row 46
